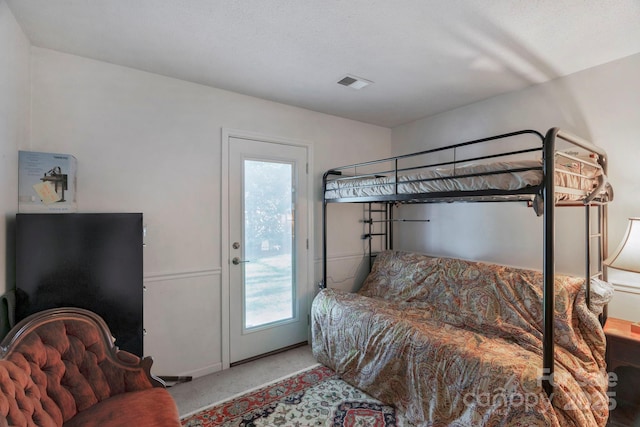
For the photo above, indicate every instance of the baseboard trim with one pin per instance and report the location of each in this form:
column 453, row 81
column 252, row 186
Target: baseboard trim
column 271, row 353
column 196, row 372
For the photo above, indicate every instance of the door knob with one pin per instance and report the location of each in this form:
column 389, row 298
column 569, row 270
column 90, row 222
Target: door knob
column 237, row 261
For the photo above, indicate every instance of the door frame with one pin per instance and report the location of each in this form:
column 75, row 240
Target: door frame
column 225, row 238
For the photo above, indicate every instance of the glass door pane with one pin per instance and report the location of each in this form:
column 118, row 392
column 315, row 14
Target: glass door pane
column 268, row 243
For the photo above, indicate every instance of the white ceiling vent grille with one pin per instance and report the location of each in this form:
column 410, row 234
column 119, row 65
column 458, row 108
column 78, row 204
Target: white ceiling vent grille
column 354, row 82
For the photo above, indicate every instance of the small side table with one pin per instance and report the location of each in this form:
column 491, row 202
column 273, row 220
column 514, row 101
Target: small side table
column 623, row 346
column 623, row 356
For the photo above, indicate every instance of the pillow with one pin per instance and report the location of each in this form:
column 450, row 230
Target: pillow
column 601, row 294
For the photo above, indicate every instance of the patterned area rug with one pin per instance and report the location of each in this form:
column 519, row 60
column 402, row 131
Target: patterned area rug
column 316, row 397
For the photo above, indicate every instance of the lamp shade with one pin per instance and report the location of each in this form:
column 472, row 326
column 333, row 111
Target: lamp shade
column 627, row 256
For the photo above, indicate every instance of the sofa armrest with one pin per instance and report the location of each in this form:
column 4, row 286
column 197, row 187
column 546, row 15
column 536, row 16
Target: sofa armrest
column 70, row 355
column 144, row 364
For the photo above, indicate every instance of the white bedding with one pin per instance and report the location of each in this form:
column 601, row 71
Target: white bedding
column 573, row 180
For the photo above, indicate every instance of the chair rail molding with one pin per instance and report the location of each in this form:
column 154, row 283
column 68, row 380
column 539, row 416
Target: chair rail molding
column 157, row 277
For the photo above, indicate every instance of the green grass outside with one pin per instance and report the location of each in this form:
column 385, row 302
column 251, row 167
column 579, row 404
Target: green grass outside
column 268, row 287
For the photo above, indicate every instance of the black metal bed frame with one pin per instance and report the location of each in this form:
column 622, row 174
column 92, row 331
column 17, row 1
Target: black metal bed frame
column 546, row 189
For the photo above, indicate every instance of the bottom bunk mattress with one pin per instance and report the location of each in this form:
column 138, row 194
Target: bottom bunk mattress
column 452, row 342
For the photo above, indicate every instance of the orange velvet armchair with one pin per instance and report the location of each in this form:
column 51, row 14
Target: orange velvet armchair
column 60, row 368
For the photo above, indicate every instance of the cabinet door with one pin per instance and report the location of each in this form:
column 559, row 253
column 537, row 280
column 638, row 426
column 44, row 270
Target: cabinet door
column 182, row 323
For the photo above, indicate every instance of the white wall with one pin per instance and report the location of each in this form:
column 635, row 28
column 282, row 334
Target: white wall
column 152, row 144
column 14, row 131
column 601, row 104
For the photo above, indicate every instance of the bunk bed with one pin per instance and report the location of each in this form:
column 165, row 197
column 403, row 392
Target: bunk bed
column 557, row 169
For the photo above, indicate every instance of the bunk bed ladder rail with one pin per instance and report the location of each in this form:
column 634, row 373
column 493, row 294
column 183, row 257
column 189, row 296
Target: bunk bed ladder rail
column 382, row 214
column 600, row 252
column 589, row 252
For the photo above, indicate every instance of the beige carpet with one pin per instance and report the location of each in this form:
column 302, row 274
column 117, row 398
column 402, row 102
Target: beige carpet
column 203, row 391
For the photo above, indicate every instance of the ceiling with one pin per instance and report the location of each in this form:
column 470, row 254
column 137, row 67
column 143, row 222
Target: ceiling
column 424, row 56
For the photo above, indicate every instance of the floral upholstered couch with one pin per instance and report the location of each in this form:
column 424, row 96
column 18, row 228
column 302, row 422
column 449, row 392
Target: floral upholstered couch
column 60, row 368
column 453, row 342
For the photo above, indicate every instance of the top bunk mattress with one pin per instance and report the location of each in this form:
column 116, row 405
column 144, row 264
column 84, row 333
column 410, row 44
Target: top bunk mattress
column 574, row 180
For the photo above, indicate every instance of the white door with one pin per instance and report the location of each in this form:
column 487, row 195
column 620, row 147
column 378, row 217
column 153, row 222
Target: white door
column 268, row 266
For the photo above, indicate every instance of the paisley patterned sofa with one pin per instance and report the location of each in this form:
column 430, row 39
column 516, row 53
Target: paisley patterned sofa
column 454, row 342
column 60, row 367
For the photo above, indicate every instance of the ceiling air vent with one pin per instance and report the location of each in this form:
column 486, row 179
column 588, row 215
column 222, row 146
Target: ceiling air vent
column 354, row 82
